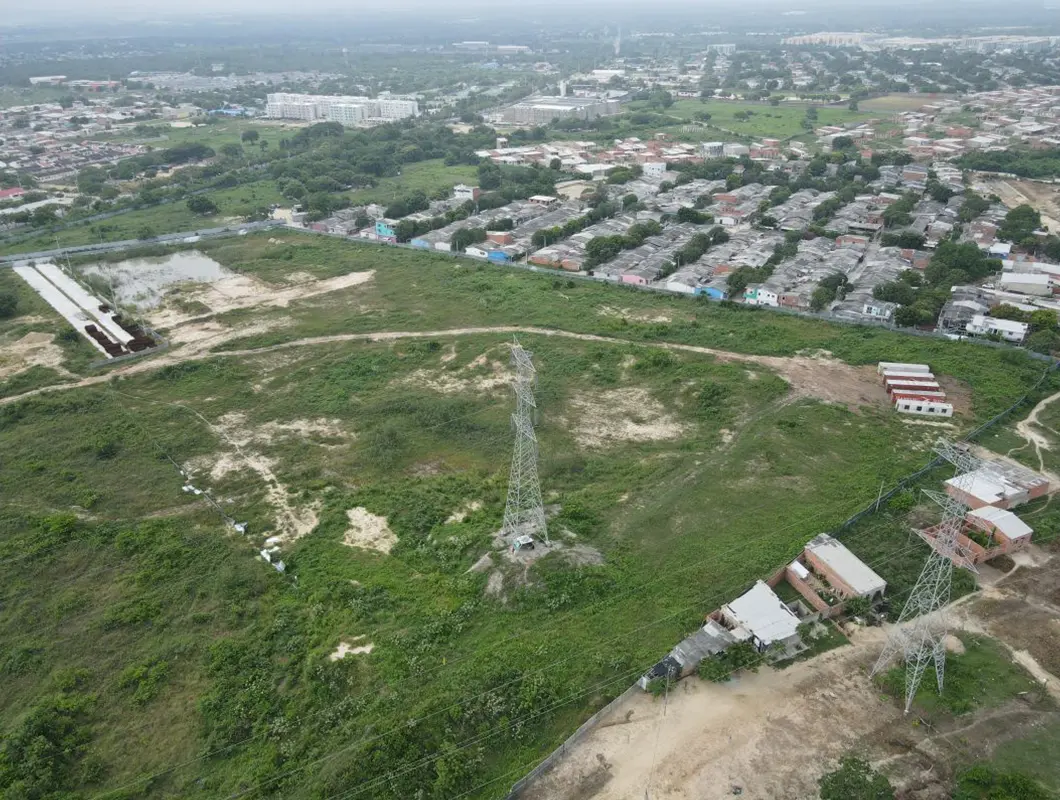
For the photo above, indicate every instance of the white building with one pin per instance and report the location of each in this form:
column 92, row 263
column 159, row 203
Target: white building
column 654, row 170
column 735, row 150
column 759, row 616
column 1009, row 330
column 921, row 405
column 1026, row 283
column 344, row 109
column 713, row 149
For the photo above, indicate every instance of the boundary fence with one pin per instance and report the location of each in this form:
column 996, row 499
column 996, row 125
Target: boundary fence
column 593, row 722
column 586, row 728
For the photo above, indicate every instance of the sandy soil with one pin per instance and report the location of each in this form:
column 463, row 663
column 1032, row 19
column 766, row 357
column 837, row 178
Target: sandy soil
column 368, row 531
column 246, row 291
column 1026, row 429
column 292, row 521
column 773, row 734
column 348, row 649
column 625, row 313
column 32, row 350
column 1043, row 197
column 630, row 414
column 817, row 376
column 461, row 513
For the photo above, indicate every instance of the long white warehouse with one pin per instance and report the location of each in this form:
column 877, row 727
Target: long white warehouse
column 60, row 302
column 90, row 304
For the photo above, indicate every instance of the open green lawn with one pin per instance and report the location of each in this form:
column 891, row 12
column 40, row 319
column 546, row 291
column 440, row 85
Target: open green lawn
column 224, row 131
column 766, row 121
column 28, row 95
column 893, row 103
column 139, row 633
column 981, row 677
column 426, row 176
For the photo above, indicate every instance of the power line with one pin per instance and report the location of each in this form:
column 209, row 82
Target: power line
column 542, row 670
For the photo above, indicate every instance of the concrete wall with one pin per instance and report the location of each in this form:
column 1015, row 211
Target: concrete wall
column 557, row 755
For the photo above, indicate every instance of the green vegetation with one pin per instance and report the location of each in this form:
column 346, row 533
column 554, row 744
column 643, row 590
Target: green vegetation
column 740, row 656
column 757, row 120
column 1036, row 755
column 430, row 177
column 184, row 643
column 1025, row 163
column 983, row 782
column 981, row 677
column 855, row 780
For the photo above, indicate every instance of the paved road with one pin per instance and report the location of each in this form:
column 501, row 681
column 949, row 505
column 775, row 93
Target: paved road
column 166, row 238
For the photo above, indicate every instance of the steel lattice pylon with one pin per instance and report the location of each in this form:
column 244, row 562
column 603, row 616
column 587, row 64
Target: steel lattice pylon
column 524, row 512
column 920, row 635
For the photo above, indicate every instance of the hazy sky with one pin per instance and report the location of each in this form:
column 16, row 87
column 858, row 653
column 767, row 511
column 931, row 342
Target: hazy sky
column 600, row 12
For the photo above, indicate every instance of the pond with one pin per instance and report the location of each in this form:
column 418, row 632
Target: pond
column 143, row 282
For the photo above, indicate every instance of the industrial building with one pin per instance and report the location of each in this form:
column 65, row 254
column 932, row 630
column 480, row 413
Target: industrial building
column 542, row 110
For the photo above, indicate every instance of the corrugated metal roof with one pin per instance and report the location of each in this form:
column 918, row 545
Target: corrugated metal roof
column 764, row 614
column 1005, row 521
column 854, row 572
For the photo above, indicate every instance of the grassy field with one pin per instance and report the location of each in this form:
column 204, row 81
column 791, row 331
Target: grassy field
column 426, row 176
column 27, row 96
column 982, row 677
column 770, row 121
column 139, row 632
column 235, row 203
column 893, row 103
column 225, row 131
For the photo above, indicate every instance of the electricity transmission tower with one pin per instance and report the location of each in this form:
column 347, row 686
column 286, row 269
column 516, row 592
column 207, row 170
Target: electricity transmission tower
column 920, row 635
column 524, row 513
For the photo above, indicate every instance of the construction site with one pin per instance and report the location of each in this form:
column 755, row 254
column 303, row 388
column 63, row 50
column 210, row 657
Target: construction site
column 374, row 521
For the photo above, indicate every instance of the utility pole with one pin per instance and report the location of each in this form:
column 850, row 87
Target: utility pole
column 524, row 512
column 920, row 634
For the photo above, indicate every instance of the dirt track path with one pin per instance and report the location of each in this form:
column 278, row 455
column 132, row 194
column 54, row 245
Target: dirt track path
column 1025, row 428
column 817, row 376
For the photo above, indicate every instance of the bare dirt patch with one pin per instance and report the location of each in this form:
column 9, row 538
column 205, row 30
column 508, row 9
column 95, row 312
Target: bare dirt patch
column 292, row 521
column 348, row 649
column 32, row 350
column 629, row 314
column 246, row 291
column 461, row 513
column 481, row 375
column 620, row 415
column 823, row 377
column 1042, row 197
column 368, row 531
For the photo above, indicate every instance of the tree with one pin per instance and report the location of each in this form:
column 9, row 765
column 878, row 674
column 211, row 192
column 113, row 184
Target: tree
column 1043, row 320
column 821, row 297
column 555, row 164
column 984, row 782
column 249, row 136
column 145, row 232
column 1020, row 224
column 852, row 105
column 855, row 780
column 8, row 304
column 201, row 205
column 232, row 150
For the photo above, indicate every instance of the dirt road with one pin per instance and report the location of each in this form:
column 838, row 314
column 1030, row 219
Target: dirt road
column 1025, row 428
column 773, row 734
column 817, row 375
